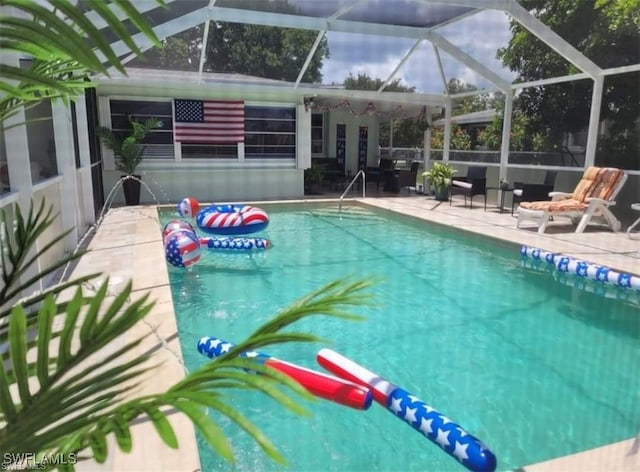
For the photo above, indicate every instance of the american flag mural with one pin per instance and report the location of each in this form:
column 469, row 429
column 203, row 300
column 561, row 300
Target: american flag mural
column 208, row 121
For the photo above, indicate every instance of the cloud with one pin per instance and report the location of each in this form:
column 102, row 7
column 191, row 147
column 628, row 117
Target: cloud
column 479, row 35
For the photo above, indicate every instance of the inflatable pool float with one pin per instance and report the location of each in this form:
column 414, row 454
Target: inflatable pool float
column 231, row 219
column 235, row 244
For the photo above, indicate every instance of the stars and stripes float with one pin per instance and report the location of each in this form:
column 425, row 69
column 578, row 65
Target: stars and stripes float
column 356, row 387
column 176, row 225
column 451, row 437
column 188, row 207
column 235, row 244
column 582, row 269
column 321, row 385
column 230, row 220
column 182, row 248
column 179, row 236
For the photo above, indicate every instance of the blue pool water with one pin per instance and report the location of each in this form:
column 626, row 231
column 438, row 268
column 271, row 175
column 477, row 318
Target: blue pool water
column 535, row 368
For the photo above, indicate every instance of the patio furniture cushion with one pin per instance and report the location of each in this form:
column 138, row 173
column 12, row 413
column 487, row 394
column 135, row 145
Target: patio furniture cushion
column 459, row 183
column 583, row 188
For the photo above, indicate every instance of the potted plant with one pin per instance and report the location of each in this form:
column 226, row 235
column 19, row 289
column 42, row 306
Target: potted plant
column 128, row 154
column 313, row 178
column 439, row 178
column 504, row 184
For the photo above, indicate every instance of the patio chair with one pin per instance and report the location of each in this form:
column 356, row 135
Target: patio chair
column 377, row 174
column 592, row 197
column 407, row 177
column 474, row 183
column 533, row 192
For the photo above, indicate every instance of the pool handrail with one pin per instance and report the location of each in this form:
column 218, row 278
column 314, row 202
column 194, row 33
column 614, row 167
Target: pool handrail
column 364, row 186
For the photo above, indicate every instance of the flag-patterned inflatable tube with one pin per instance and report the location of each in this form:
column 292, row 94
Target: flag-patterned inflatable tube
column 582, row 283
column 569, row 265
column 321, row 385
column 230, row 220
column 454, row 440
column 235, row 244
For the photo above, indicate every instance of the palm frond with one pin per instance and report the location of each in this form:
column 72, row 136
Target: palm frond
column 78, row 401
column 19, row 255
column 65, row 47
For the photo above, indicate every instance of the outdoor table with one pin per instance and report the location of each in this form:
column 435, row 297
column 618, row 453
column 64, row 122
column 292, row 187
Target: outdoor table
column 503, row 191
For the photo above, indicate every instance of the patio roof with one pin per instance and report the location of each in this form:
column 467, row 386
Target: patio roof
column 419, row 20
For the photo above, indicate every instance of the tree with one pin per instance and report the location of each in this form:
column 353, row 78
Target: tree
column 67, row 377
column 606, row 31
column 262, row 51
column 464, row 105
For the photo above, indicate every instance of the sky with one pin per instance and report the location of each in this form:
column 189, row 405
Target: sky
column 479, row 35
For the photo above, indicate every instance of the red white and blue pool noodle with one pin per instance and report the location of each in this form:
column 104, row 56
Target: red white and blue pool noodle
column 319, row 384
column 235, row 244
column 454, row 440
column 569, row 265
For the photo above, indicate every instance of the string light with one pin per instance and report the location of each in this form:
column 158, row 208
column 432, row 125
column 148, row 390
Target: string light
column 399, row 112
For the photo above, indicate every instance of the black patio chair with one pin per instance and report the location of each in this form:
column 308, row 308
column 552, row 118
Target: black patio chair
column 474, row 183
column 377, row 174
column 533, row 192
column 407, row 177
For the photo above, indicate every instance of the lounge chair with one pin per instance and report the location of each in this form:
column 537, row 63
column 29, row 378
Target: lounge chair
column 475, row 183
column 592, row 197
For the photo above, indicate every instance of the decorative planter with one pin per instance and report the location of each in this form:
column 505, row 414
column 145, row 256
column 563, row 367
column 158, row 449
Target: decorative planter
column 131, row 188
column 442, row 194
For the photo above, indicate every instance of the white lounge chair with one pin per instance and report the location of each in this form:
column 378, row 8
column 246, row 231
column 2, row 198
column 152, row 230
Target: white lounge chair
column 592, row 197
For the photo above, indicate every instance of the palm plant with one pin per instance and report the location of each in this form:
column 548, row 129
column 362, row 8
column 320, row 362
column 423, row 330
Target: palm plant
column 439, row 177
column 61, row 389
column 128, row 151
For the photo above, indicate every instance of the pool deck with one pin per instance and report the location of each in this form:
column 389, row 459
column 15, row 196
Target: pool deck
column 128, row 245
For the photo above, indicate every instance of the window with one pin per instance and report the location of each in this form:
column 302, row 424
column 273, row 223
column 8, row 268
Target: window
column 270, row 132
column 159, row 142
column 209, row 151
column 41, row 141
column 317, row 134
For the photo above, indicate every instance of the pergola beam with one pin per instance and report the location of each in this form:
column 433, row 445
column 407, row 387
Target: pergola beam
column 142, row 6
column 165, row 30
column 535, row 26
column 309, row 58
column 443, row 76
column 467, row 60
column 553, row 40
column 400, row 64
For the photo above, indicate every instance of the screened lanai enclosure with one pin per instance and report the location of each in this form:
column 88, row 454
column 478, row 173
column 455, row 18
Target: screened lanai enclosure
column 251, row 93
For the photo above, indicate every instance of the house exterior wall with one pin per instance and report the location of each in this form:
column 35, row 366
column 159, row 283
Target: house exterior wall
column 213, row 180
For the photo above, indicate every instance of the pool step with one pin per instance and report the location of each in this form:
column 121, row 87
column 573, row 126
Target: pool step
column 346, row 213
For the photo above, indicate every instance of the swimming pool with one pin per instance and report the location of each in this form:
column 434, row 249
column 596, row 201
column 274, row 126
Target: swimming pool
column 534, row 368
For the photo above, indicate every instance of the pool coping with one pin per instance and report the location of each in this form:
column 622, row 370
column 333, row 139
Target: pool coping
column 127, row 247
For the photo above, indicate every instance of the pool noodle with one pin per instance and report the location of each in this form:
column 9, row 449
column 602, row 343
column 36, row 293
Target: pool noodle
column 325, row 386
column 454, row 440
